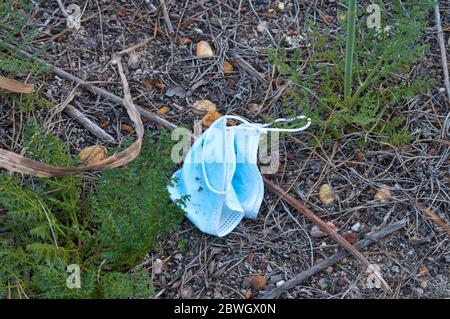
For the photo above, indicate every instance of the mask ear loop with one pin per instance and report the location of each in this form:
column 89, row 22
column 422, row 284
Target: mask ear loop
column 283, row 120
column 261, row 127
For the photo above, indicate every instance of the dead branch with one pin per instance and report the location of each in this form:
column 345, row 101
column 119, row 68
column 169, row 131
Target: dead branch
column 321, row 224
column 166, row 16
column 88, row 124
column 441, row 41
column 370, row 239
column 20, row 164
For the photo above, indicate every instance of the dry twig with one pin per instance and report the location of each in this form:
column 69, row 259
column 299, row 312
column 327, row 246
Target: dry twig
column 322, row 225
column 166, row 16
column 370, row 238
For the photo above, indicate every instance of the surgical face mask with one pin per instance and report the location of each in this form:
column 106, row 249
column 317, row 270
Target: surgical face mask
column 221, row 177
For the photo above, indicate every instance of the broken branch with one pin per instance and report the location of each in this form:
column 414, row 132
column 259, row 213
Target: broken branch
column 321, row 224
column 370, row 239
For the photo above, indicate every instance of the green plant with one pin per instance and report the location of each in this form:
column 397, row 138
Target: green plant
column 379, row 68
column 16, row 32
column 181, row 246
column 47, row 224
column 133, row 208
column 349, row 48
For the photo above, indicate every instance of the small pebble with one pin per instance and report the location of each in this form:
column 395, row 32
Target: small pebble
column 186, row 292
column 280, row 283
column 157, row 266
column 323, row 283
column 178, row 256
column 276, row 278
column 133, row 60
column 419, row 292
column 316, row 232
column 356, row 227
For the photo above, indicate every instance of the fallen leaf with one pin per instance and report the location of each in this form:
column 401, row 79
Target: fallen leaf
column 104, row 123
column 203, row 50
column 326, row 194
column 160, row 85
column 227, row 68
column 203, row 106
column 278, row 82
column 148, row 84
column 352, row 238
column 134, row 59
column 164, row 109
column 15, row 86
column 436, row 219
column 247, row 294
column 61, row 37
column 327, row 18
column 177, row 91
column 316, row 232
column 93, row 154
column 254, row 107
column 383, row 194
column 249, row 257
column 185, row 41
column 259, row 282
column 360, row 156
column 262, row 26
column 424, row 271
column 127, row 128
column 186, row 292
column 210, row 117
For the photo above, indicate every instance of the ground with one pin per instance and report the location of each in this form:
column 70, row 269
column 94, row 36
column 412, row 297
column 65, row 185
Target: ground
column 278, row 244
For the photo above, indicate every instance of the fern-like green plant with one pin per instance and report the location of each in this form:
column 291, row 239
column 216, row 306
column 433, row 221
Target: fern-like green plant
column 133, row 208
column 48, row 224
column 379, row 58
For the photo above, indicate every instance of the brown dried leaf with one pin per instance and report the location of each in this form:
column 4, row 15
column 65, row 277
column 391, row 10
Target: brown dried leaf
column 352, row 238
column 15, row 86
column 210, row 117
column 436, row 219
column 93, row 154
column 247, row 294
column 203, row 106
column 127, row 128
column 185, row 41
column 227, row 68
column 148, row 84
column 259, row 282
column 164, row 109
column 160, row 85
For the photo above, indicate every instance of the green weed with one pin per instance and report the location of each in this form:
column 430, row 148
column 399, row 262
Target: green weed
column 48, row 224
column 379, row 70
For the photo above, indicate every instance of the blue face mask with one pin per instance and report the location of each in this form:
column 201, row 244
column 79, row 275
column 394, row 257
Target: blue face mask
column 221, row 176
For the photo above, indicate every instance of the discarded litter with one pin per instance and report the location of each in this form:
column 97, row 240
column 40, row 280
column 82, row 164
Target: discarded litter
column 221, row 177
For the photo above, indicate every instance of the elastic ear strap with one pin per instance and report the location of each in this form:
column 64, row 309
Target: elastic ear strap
column 261, row 127
column 205, row 175
column 292, row 130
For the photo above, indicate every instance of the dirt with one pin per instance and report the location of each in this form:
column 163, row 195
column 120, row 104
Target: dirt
column 278, row 244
